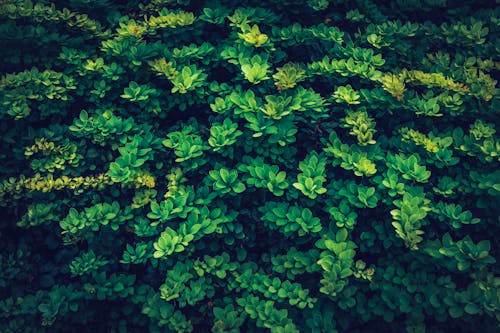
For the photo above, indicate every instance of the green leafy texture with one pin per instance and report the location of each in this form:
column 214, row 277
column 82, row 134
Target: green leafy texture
column 310, row 181
column 261, row 175
column 351, row 157
column 408, row 167
column 255, row 69
column 267, row 315
column 189, row 78
column 136, row 92
column 361, row 126
column 226, row 181
column 408, row 218
column 226, row 166
column 227, row 319
column 87, row 262
column 290, row 219
column 187, row 145
column 223, row 135
column 253, row 35
column 168, row 243
column 464, row 253
column 287, row 76
column 346, row 95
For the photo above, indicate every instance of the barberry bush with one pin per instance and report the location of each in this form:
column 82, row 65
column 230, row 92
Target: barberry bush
column 249, row 166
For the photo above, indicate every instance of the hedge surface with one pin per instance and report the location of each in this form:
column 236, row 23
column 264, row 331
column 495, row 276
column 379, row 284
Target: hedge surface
column 249, row 166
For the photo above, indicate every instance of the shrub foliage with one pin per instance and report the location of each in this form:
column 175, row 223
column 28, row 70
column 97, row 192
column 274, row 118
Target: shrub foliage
column 226, row 166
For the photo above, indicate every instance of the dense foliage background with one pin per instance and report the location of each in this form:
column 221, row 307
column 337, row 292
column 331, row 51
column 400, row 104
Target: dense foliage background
column 225, row 166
